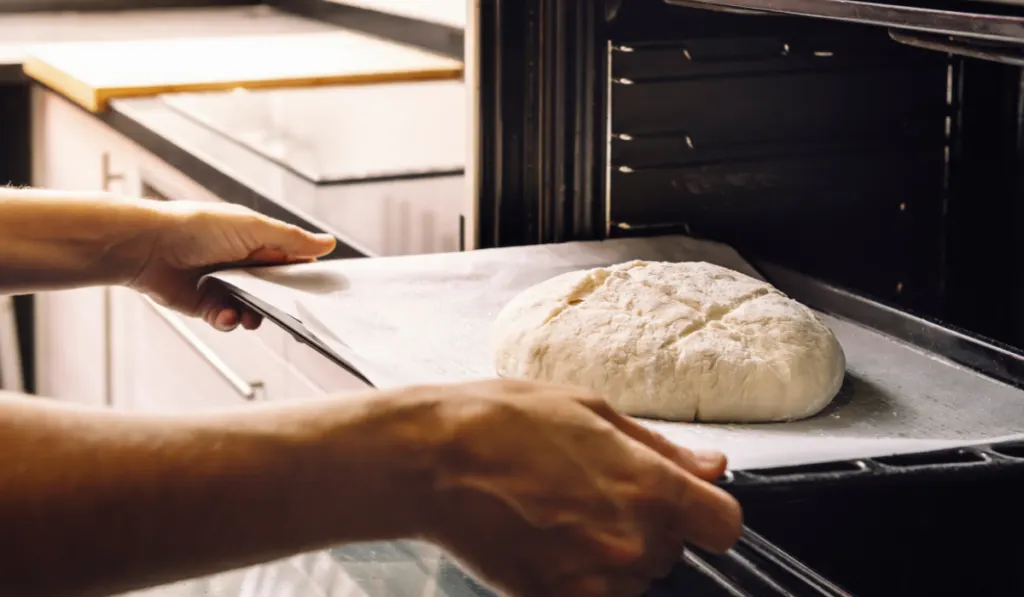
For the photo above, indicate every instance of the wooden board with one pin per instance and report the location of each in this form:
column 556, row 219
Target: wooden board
column 20, row 32
column 93, row 73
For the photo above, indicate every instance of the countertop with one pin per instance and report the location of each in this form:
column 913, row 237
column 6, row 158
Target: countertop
column 311, row 192
column 21, row 31
column 391, row 175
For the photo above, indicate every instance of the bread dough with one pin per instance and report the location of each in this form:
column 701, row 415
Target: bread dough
column 676, row 341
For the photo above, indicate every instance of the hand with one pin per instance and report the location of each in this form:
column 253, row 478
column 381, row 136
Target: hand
column 201, row 236
column 546, row 491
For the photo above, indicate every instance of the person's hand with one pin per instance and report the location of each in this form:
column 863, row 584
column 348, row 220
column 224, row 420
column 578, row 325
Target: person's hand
column 203, row 236
column 546, row 491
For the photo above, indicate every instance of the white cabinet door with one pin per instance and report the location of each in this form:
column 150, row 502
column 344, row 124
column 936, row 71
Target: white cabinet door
column 311, row 374
column 71, row 347
column 73, row 151
column 167, row 368
column 110, row 346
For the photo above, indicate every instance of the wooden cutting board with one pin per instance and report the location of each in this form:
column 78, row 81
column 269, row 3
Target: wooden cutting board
column 93, row 73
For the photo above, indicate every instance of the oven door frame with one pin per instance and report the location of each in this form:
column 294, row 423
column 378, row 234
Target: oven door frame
column 538, row 75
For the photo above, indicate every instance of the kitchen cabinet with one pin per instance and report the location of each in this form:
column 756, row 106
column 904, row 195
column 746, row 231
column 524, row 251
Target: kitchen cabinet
column 112, row 346
column 168, row 368
column 74, row 152
column 309, row 373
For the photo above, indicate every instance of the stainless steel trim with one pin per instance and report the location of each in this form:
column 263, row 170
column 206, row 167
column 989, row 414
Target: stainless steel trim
column 471, row 205
column 248, row 390
column 11, row 378
column 108, row 347
column 973, row 25
column 107, row 178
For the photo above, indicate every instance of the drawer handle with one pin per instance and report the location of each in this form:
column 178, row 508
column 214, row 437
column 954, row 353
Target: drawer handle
column 247, row 390
column 108, row 176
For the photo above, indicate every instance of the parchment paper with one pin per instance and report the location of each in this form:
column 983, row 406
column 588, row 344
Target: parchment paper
column 427, row 318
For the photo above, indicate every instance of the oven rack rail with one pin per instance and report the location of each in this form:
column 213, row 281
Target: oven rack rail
column 996, row 459
column 755, row 567
column 986, row 26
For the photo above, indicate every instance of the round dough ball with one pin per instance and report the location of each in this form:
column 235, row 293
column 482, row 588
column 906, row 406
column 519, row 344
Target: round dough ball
column 675, row 341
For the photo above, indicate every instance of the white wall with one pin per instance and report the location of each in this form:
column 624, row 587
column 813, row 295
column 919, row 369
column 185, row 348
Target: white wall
column 444, row 12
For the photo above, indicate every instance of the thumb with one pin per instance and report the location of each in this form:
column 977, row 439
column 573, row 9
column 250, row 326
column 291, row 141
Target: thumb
column 280, row 242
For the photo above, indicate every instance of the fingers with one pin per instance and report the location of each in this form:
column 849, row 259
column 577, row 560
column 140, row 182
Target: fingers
column 223, row 312
column 702, row 514
column 227, row 318
column 709, row 466
column 706, row 516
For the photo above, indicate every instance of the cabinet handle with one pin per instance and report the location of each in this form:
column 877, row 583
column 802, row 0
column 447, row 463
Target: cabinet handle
column 247, row 390
column 108, row 176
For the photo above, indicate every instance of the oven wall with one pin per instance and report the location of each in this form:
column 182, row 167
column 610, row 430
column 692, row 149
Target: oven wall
column 824, row 147
column 819, row 146
column 985, row 214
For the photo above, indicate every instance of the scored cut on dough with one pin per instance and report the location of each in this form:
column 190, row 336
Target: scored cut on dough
column 687, row 341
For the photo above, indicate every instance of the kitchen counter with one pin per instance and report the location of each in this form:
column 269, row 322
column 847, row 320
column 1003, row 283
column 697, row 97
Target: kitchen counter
column 381, row 189
column 21, row 31
column 394, row 146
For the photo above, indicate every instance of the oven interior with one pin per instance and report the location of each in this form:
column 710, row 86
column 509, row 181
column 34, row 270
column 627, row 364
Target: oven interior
column 818, row 145
column 825, row 147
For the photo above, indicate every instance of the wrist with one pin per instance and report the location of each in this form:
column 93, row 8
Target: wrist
column 133, row 234
column 384, row 450
column 57, row 239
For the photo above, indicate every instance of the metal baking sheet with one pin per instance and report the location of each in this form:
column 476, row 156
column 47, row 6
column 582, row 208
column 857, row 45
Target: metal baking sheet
column 427, row 318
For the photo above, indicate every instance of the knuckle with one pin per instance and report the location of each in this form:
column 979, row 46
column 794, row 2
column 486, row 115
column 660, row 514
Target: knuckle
column 592, row 398
column 624, row 552
column 513, row 386
column 660, row 487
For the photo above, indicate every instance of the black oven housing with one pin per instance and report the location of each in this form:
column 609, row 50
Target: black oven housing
column 823, row 147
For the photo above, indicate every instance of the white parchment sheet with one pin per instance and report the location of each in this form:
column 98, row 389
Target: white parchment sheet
column 427, row 318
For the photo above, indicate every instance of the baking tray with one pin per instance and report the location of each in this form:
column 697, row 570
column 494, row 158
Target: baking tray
column 756, row 567
column 962, row 391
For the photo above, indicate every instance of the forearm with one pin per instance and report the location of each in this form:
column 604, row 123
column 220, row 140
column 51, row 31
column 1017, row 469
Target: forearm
column 96, row 502
column 60, row 239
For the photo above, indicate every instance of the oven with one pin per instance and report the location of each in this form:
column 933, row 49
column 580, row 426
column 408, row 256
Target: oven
column 865, row 157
